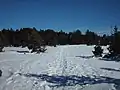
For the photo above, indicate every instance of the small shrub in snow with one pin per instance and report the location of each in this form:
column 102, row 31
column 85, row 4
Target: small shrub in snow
column 30, row 47
column 55, row 45
column 98, row 51
column 38, row 49
column 0, row 73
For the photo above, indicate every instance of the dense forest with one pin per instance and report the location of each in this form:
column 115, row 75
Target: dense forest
column 36, row 40
column 25, row 36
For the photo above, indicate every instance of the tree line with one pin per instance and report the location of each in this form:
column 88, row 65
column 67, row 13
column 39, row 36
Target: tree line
column 27, row 36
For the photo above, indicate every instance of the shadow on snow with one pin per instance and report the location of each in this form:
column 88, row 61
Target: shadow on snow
column 111, row 69
column 23, row 51
column 86, row 57
column 110, row 59
column 73, row 80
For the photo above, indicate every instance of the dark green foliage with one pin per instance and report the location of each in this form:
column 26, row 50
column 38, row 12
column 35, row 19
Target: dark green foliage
column 105, row 40
column 31, row 36
column 91, row 38
column 38, row 49
column 76, row 37
column 1, row 48
column 30, row 46
column 114, row 48
column 98, row 51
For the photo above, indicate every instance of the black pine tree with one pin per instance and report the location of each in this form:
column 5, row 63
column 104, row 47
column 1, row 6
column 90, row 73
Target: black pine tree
column 98, row 51
column 114, row 48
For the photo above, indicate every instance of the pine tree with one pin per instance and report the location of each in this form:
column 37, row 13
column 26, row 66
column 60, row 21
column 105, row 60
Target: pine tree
column 114, row 48
column 98, row 51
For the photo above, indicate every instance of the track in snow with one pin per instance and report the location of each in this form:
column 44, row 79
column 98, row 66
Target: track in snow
column 58, row 69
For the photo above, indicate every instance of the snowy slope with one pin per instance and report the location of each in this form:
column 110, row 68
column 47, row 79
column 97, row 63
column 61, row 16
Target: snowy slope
column 59, row 68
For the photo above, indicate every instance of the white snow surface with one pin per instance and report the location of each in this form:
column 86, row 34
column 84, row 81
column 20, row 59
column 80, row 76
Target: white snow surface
column 22, row 71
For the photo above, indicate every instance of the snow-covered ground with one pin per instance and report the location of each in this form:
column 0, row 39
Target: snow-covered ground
column 69, row 67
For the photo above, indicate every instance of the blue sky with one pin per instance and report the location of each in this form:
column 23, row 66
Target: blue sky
column 68, row 15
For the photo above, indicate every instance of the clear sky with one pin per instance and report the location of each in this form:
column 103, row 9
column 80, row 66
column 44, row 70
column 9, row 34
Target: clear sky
column 68, row 15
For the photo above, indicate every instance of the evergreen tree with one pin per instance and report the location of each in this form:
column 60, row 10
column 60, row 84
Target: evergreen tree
column 31, row 36
column 114, row 48
column 98, row 51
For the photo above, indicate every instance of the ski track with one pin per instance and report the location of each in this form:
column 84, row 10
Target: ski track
column 23, row 65
column 59, row 61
